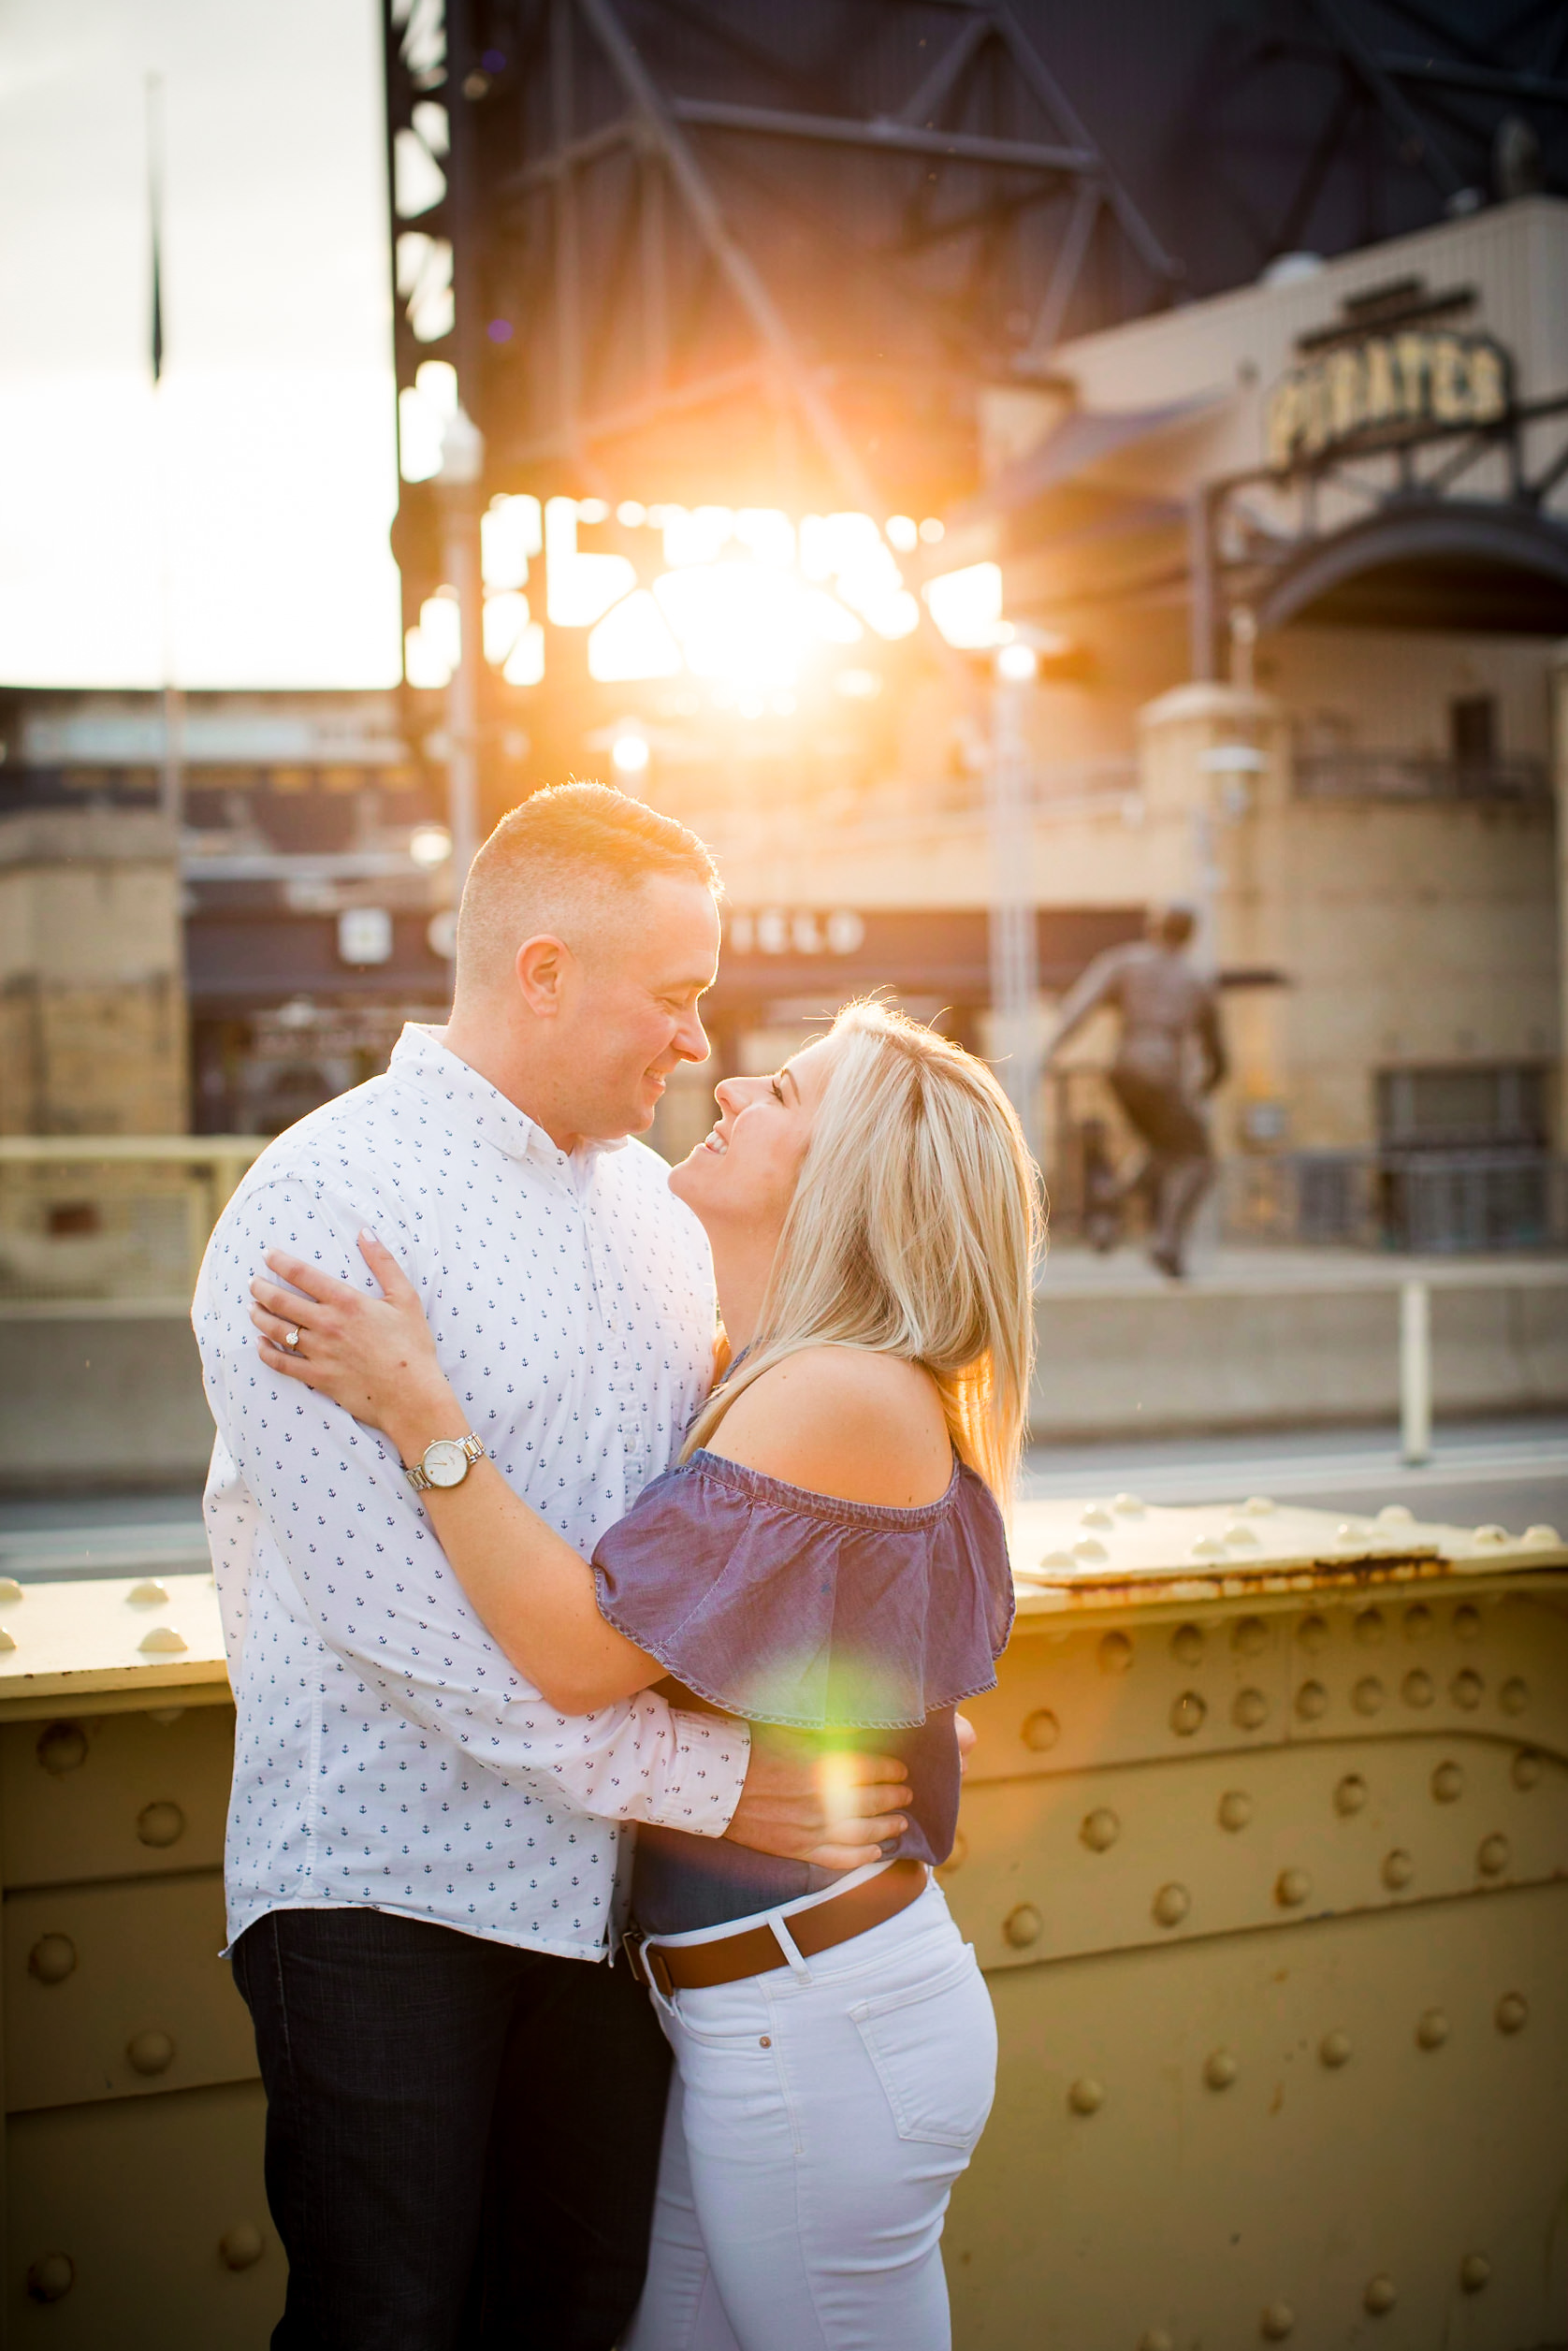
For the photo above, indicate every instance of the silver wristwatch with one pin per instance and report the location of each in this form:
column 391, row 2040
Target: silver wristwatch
column 446, row 1463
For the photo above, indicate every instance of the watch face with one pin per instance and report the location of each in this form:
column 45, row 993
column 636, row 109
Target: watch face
column 445, row 1462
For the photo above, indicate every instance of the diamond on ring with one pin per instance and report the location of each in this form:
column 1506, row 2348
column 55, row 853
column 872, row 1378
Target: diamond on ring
column 291, row 1336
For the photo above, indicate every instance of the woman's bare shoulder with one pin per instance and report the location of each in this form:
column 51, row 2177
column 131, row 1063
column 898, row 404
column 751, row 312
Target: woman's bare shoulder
column 842, row 1421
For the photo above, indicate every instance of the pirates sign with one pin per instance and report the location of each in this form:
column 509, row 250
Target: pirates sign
column 1386, row 388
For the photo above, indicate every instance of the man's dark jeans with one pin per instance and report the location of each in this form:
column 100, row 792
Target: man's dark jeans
column 462, row 2139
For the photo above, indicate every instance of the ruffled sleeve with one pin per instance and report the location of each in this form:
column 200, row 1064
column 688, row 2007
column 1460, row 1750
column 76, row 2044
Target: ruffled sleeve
column 791, row 1607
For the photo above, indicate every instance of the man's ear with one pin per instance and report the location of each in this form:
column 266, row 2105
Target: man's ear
column 542, row 966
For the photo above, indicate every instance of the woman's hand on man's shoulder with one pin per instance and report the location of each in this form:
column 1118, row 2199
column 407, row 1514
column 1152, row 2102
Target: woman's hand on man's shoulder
column 843, row 1421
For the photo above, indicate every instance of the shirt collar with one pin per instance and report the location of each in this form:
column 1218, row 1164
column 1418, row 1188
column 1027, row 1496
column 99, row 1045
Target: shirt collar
column 421, row 1054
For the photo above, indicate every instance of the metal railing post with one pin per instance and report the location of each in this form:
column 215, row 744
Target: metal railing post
column 1416, row 1372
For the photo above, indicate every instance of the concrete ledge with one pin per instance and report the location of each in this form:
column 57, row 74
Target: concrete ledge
column 109, row 1396
column 1177, row 1363
column 94, row 1398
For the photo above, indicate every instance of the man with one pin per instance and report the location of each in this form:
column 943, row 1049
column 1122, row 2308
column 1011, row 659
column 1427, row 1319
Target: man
column 1167, row 1010
column 422, row 1855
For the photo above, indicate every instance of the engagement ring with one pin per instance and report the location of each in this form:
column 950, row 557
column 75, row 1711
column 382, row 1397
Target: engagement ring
column 291, row 1337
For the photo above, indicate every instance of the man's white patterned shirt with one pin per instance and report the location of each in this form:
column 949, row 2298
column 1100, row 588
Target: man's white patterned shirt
column 386, row 1753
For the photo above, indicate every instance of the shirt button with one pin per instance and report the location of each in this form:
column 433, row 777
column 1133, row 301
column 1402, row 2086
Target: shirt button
column 764, row 2043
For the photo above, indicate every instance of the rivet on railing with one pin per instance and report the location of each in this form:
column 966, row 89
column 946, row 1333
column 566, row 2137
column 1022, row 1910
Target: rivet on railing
column 1115, row 1653
column 51, row 1959
column 1187, row 1644
column 1100, row 1830
column 1023, row 1926
column 50, row 2277
column 1333, row 2050
column 1493, row 1856
column 1432, row 2028
column 1524, row 1771
column 160, row 1825
column 1235, row 1808
column 1171, row 1905
column 1221, row 2068
column 1251, row 1636
column 1367, row 1697
column 151, row 2051
column 62, row 1748
column 1250, row 1711
column 1475, row 2271
column 1369, row 1628
column 1417, row 1689
column 1447, row 1783
column 1351, row 1794
column 1467, row 1621
column 162, row 1641
column 1188, row 1714
column 1512, row 2012
column 1398, row 1870
column 1513, row 1696
column 242, row 2246
column 1086, row 2097
column 1380, row 2296
column 1312, row 1702
column 1292, row 1888
column 1276, row 2322
column 1313, row 1633
column 1041, row 1731
column 1466, row 1690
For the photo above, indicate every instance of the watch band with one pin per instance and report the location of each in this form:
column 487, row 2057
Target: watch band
column 417, row 1476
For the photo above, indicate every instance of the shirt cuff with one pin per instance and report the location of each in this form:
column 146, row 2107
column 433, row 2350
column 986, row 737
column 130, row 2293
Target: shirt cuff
column 703, row 1785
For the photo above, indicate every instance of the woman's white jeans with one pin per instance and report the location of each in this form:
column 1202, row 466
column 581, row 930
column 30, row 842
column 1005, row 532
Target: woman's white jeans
column 817, row 2119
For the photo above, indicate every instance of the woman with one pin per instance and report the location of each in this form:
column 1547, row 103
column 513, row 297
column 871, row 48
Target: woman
column 830, row 1554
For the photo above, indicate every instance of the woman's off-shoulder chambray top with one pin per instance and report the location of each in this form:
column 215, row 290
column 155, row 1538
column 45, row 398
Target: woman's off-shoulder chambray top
column 863, row 1624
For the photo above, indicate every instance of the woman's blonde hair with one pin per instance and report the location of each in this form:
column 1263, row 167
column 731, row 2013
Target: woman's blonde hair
column 916, row 1230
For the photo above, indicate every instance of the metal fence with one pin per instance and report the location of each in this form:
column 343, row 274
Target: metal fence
column 119, row 1219
column 1409, row 776
column 1435, row 1203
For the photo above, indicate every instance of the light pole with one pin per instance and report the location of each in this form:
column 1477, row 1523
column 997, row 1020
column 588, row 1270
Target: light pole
column 457, row 485
column 1014, row 960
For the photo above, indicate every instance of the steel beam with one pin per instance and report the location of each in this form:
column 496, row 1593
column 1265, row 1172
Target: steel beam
column 882, row 135
column 1047, row 90
column 1502, row 81
column 929, row 96
column 571, row 156
column 1428, row 151
column 745, row 281
column 705, row 392
column 1070, row 258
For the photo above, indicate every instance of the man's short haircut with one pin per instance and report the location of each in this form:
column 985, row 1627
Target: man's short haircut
column 559, row 860
column 1172, row 926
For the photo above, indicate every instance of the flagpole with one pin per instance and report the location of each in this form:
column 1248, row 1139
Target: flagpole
column 171, row 793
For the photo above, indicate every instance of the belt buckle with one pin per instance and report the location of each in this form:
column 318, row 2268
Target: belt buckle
column 648, row 1966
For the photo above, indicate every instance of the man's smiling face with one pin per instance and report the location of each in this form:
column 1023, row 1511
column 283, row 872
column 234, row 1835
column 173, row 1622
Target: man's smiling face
column 630, row 1005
